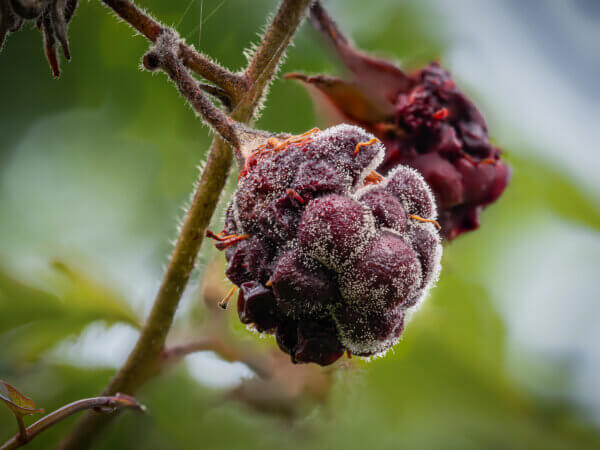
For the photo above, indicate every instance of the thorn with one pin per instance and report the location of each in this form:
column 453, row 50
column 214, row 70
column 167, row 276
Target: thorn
column 441, row 114
column 364, row 144
column 223, row 303
column 293, row 194
column 421, row 219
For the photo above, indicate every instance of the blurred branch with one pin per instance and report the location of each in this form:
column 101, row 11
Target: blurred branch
column 221, row 347
column 231, row 83
column 99, row 404
column 144, row 359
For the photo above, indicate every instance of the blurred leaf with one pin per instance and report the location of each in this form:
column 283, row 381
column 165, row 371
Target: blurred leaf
column 34, row 319
column 17, row 402
column 541, row 185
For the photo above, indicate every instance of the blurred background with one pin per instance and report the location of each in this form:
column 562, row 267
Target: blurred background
column 96, row 167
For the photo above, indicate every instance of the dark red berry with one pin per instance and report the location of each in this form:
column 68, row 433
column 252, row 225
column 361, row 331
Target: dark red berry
column 318, row 343
column 302, row 290
column 335, row 229
column 369, row 331
column 328, row 254
column 249, row 260
column 256, row 304
column 387, row 274
column 386, row 208
column 316, row 178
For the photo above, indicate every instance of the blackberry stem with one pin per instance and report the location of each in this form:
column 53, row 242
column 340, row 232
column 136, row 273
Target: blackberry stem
column 234, row 85
column 144, row 360
column 110, row 403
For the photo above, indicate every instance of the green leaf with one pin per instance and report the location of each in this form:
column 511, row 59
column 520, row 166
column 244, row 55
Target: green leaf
column 33, row 319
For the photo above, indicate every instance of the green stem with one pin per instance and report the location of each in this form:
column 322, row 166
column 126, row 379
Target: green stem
column 109, row 404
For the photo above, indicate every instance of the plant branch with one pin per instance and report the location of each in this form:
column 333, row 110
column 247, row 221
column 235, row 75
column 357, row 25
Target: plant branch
column 22, row 435
column 269, row 54
column 101, row 404
column 231, row 83
column 144, row 360
column 162, row 56
column 221, row 347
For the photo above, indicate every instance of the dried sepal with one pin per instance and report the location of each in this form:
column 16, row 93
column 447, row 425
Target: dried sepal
column 51, row 18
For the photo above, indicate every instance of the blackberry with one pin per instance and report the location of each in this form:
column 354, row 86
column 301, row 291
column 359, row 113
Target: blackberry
column 425, row 122
column 327, row 253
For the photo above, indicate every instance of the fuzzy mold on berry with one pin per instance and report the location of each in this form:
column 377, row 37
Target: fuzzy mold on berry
column 329, row 255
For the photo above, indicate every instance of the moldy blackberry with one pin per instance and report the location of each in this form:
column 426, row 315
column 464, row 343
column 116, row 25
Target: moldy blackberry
column 328, row 255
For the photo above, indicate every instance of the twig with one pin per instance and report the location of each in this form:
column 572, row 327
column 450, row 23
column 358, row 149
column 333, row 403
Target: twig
column 221, row 347
column 231, row 83
column 22, row 435
column 144, row 359
column 162, row 56
column 101, row 404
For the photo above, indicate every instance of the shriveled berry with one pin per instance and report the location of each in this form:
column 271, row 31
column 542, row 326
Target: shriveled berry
column 337, row 146
column 334, row 229
column 302, row 290
column 409, row 187
column 316, row 178
column 386, row 208
column 318, row 343
column 279, row 219
column 387, row 274
column 249, row 260
column 256, row 304
column 286, row 335
column 324, row 249
column 369, row 331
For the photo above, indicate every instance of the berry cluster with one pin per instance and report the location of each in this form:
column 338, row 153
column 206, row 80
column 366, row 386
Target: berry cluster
column 50, row 16
column 327, row 253
column 425, row 122
column 438, row 131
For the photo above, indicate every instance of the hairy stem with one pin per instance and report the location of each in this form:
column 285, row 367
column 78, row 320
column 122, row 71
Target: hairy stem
column 189, row 88
column 203, row 66
column 144, row 359
column 101, row 404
